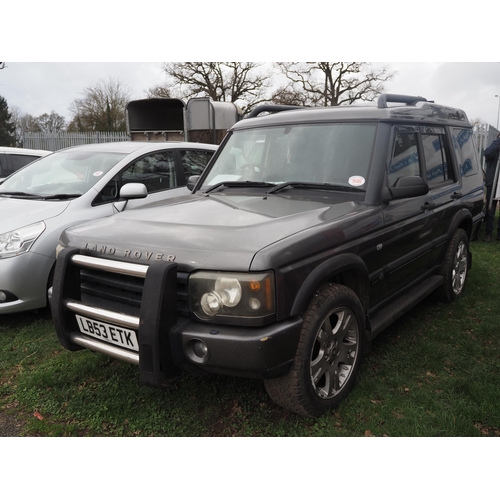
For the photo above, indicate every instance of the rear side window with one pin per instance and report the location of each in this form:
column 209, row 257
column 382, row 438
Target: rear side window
column 463, row 144
column 437, row 165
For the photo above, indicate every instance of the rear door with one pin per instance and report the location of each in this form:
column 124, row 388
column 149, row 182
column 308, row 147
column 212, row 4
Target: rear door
column 444, row 185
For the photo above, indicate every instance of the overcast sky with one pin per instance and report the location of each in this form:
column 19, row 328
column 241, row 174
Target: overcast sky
column 38, row 87
column 104, row 30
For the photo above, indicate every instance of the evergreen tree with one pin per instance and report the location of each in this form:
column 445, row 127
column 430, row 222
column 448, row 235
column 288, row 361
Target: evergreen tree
column 7, row 128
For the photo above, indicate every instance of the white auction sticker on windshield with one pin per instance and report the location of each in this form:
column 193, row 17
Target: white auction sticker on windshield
column 356, row 180
column 98, row 173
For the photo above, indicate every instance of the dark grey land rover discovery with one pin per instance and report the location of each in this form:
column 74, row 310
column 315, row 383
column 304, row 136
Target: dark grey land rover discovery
column 310, row 231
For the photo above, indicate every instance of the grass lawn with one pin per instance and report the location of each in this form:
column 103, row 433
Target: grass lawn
column 433, row 373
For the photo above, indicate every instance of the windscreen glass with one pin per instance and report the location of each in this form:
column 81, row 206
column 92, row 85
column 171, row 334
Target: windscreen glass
column 67, row 172
column 334, row 153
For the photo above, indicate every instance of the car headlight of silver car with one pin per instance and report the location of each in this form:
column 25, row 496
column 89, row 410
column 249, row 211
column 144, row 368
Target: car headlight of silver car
column 215, row 295
column 20, row 240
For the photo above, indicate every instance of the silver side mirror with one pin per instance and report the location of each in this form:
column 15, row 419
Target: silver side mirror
column 133, row 191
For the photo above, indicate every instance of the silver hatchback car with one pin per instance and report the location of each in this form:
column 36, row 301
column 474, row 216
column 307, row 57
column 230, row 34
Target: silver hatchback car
column 75, row 185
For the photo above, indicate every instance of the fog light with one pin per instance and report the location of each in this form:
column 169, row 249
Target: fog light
column 200, row 349
column 3, row 297
column 197, row 351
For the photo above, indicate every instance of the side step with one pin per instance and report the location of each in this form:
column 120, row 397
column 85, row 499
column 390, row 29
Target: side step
column 390, row 313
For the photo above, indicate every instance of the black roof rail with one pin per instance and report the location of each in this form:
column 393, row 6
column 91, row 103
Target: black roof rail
column 409, row 100
column 271, row 108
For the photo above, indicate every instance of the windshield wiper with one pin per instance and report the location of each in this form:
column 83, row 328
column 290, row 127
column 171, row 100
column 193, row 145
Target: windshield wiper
column 238, row 184
column 19, row 193
column 314, row 185
column 63, row 196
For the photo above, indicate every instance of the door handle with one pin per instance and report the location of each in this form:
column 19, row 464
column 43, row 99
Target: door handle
column 428, row 206
column 456, row 195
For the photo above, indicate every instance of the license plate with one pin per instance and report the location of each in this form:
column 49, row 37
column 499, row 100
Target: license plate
column 112, row 334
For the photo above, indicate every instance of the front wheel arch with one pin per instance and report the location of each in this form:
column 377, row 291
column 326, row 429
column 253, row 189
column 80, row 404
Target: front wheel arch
column 348, row 270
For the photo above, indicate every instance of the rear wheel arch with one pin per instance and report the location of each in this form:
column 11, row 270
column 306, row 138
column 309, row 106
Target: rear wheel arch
column 461, row 220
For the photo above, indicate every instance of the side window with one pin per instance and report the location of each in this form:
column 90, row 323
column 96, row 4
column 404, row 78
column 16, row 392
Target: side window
column 3, row 166
column 465, row 151
column 438, row 168
column 156, row 172
column 405, row 160
column 194, row 161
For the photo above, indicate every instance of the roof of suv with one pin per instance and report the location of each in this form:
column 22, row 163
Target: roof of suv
column 414, row 109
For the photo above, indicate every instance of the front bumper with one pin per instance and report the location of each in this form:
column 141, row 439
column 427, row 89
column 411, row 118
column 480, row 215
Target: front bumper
column 168, row 342
column 23, row 279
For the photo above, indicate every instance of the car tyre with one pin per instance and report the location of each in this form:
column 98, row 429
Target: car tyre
column 455, row 267
column 328, row 355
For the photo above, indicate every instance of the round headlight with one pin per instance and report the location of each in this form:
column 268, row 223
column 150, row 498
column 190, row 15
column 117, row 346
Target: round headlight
column 211, row 303
column 229, row 289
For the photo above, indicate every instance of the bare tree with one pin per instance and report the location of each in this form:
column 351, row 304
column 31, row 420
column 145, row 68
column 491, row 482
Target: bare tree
column 26, row 123
column 287, row 95
column 159, row 91
column 51, row 123
column 23, row 123
column 331, row 83
column 17, row 116
column 238, row 82
column 102, row 108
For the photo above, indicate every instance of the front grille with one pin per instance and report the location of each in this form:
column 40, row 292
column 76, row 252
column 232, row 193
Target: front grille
column 115, row 292
column 122, row 293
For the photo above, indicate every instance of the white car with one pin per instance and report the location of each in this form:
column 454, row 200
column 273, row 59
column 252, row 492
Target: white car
column 75, row 185
column 12, row 159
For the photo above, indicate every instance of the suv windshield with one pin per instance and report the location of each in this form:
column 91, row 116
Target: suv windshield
column 63, row 173
column 332, row 153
